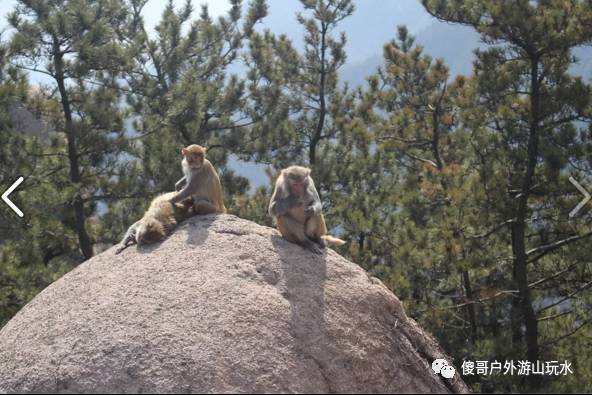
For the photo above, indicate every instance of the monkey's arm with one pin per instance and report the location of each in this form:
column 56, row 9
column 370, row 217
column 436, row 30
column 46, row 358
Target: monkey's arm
column 183, row 210
column 179, row 184
column 187, row 191
column 280, row 206
column 129, row 238
column 314, row 207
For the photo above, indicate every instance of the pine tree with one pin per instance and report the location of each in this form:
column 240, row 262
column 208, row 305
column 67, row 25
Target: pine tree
column 427, row 187
column 34, row 250
column 183, row 91
column 305, row 85
column 525, row 98
column 76, row 45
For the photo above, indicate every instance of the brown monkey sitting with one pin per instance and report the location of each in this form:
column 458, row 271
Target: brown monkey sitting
column 296, row 206
column 201, row 182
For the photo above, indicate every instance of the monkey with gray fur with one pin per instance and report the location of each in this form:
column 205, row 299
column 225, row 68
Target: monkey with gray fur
column 297, row 209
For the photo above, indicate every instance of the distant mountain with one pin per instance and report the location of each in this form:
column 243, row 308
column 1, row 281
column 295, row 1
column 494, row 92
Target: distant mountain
column 25, row 122
column 455, row 44
column 371, row 25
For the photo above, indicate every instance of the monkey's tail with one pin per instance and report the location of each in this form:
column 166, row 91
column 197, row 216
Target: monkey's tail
column 332, row 240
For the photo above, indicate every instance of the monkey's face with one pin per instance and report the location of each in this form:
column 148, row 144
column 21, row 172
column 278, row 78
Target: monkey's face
column 194, row 155
column 149, row 233
column 297, row 177
column 297, row 184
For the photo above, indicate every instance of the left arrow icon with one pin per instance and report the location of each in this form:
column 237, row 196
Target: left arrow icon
column 7, row 200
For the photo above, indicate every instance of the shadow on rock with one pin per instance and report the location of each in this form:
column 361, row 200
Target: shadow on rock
column 149, row 248
column 305, row 273
column 197, row 231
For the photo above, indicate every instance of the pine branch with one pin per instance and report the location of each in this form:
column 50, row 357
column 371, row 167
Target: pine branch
column 493, row 230
column 553, row 316
column 545, row 249
column 477, row 301
column 421, row 159
column 544, row 280
column 570, row 296
column 550, row 343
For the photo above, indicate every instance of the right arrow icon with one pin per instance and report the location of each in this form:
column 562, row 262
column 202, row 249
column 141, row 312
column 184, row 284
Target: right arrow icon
column 583, row 202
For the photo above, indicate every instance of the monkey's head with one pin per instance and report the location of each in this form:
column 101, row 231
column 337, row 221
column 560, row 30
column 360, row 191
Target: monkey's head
column 194, row 155
column 297, row 177
column 150, row 231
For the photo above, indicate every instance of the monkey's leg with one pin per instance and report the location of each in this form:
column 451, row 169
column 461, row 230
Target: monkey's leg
column 129, row 238
column 317, row 231
column 313, row 230
column 203, row 206
column 293, row 231
column 183, row 210
column 290, row 229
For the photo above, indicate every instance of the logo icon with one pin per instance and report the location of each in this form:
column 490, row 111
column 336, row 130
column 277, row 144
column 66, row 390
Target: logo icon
column 440, row 366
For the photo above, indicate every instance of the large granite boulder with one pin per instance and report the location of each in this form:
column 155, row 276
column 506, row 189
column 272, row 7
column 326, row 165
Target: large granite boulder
column 223, row 305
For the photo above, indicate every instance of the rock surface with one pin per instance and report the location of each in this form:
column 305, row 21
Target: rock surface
column 223, row 305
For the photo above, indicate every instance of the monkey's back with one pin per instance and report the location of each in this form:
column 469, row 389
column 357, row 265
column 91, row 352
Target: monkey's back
column 210, row 188
column 161, row 209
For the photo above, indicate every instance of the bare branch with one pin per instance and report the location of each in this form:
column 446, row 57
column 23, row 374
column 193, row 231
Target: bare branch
column 550, row 343
column 544, row 280
column 570, row 296
column 544, row 250
column 553, row 316
column 493, row 230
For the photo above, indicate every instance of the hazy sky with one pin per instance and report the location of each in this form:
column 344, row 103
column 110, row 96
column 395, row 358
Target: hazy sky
column 372, row 24
column 152, row 10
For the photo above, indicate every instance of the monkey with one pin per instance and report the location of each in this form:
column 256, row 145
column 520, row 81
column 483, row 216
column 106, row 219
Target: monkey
column 201, row 182
column 298, row 211
column 159, row 221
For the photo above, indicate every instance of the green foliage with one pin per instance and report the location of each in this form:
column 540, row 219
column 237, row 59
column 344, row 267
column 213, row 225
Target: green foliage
column 78, row 46
column 304, row 86
column 182, row 92
column 21, row 280
column 39, row 248
column 253, row 207
column 530, row 140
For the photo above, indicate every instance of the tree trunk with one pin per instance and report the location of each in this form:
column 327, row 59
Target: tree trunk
column 361, row 239
column 519, row 227
column 470, row 307
column 78, row 204
column 312, row 156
